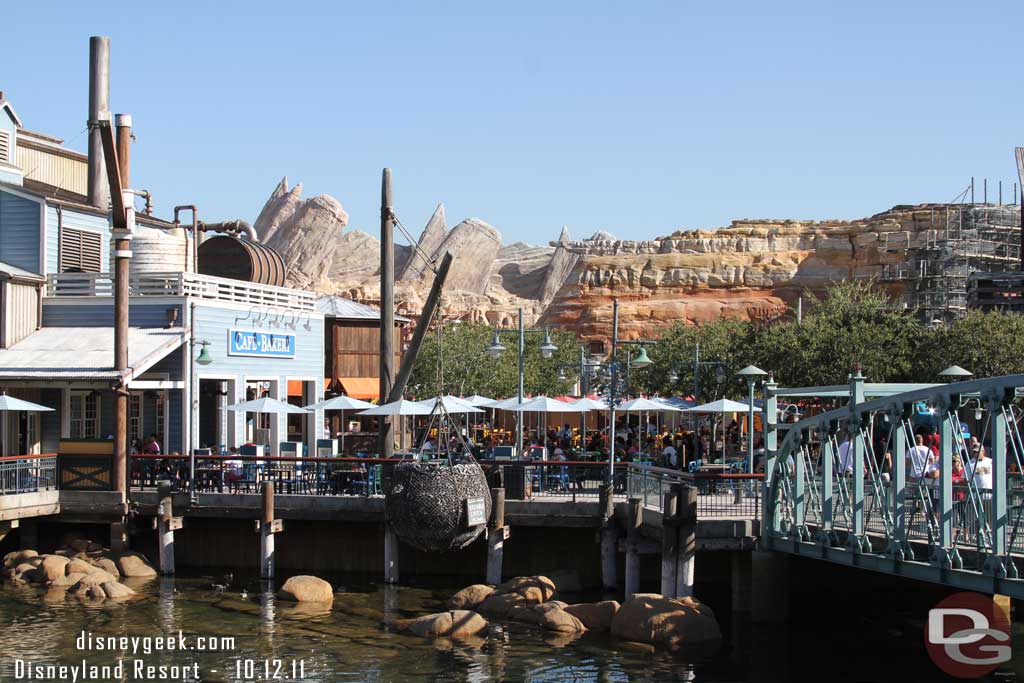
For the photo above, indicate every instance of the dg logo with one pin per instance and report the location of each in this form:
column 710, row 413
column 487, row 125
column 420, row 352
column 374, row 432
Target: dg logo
column 967, row 635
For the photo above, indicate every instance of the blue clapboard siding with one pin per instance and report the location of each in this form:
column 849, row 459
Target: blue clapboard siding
column 172, row 364
column 175, row 435
column 58, row 314
column 19, row 231
column 80, row 220
column 212, row 324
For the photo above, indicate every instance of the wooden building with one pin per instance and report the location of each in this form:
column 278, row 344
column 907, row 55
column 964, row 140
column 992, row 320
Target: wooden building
column 352, row 347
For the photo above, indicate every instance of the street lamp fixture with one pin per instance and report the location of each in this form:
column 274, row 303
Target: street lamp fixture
column 641, row 360
column 673, row 376
column 720, row 374
column 547, row 348
column 751, row 373
column 204, row 357
column 561, row 375
column 495, row 348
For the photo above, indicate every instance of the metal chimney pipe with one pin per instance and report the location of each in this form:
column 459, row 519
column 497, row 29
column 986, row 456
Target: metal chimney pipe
column 99, row 108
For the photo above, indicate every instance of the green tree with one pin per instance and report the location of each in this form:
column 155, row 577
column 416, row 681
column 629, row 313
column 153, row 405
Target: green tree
column 987, row 344
column 457, row 354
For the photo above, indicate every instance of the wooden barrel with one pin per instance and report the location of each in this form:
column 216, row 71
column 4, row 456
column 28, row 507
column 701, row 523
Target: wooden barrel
column 238, row 259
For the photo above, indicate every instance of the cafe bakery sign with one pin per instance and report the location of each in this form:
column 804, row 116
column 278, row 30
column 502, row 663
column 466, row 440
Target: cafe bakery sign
column 260, row 344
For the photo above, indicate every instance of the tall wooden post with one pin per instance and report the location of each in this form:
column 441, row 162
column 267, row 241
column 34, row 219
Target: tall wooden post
column 166, row 524
column 386, row 445
column 122, row 255
column 267, row 526
column 609, row 538
column 669, row 543
column 687, row 547
column 497, row 534
column 390, row 555
column 632, row 549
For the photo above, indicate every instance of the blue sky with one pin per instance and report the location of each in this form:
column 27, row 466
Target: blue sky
column 638, row 118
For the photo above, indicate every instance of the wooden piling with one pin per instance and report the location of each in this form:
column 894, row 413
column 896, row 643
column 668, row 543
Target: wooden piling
column 165, row 522
column 386, row 445
column 632, row 550
column 669, row 543
column 266, row 529
column 687, row 544
column 390, row 555
column 497, row 532
column 609, row 538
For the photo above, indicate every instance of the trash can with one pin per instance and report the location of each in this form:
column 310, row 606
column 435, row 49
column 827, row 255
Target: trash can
column 515, row 482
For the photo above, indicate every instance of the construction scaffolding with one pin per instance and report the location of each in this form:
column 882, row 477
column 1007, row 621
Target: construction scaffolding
column 963, row 239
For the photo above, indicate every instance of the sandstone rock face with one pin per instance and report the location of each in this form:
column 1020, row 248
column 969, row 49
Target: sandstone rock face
column 670, row 622
column 306, row 589
column 749, row 269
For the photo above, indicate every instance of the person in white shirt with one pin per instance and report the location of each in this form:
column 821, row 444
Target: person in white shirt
column 981, row 465
column 918, row 458
column 845, row 457
column 669, row 456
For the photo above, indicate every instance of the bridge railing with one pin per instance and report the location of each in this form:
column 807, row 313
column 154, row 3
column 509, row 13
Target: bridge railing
column 718, row 495
column 28, row 473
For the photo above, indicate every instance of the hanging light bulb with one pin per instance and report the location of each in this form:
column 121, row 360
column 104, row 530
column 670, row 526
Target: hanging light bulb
column 495, row 348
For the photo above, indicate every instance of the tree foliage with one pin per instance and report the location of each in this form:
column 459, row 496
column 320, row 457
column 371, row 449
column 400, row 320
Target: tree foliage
column 457, row 356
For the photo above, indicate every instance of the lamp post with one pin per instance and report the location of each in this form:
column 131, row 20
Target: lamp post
column 955, row 373
column 751, row 373
column 496, row 348
column 204, row 358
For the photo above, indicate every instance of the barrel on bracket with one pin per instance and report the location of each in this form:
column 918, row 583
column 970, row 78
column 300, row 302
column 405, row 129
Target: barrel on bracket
column 238, row 259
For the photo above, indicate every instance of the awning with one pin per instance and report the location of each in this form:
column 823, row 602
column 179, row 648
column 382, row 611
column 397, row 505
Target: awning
column 365, row 388
column 85, row 353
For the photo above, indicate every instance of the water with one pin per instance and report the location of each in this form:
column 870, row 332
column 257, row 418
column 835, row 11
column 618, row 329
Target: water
column 282, row 641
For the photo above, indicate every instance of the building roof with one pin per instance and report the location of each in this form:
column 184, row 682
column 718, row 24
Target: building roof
column 334, row 306
column 5, row 104
column 85, row 353
column 14, row 273
column 56, row 195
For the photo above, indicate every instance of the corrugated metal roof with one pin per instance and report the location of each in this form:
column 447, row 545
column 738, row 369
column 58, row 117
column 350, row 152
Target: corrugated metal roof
column 15, row 272
column 85, row 353
column 334, row 306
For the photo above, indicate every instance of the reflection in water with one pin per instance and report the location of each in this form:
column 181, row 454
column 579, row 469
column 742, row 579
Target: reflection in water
column 349, row 642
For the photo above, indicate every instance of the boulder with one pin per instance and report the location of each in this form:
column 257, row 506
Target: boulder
column 116, row 591
column 80, row 567
column 97, row 576
column 470, row 597
column 108, row 565
column 523, row 585
column 560, row 621
column 68, row 580
column 306, row 589
column 79, row 545
column 498, row 605
column 53, row 566
column 671, row 622
column 133, row 564
column 533, row 614
column 451, row 624
column 15, row 558
column 596, row 616
column 87, row 589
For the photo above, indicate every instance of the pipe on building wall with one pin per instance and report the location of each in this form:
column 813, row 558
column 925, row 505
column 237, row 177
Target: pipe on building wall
column 194, row 228
column 235, row 227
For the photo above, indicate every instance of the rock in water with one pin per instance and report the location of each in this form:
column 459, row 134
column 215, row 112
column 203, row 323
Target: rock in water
column 53, row 567
column 116, row 591
column 596, row 616
column 671, row 622
column 470, row 597
column 306, row 589
column 132, row 564
column 451, row 624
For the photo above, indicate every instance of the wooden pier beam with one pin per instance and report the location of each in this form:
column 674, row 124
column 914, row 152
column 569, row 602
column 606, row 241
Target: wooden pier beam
column 390, row 555
column 267, row 527
column 609, row 538
column 166, row 524
column 669, row 543
column 497, row 534
column 632, row 552
column 687, row 545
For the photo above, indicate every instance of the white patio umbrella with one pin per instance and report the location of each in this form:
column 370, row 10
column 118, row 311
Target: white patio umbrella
column 265, row 405
column 479, row 401
column 341, row 404
column 646, row 405
column 590, row 405
column 452, row 404
column 399, row 408
column 546, row 405
column 9, row 403
column 722, row 405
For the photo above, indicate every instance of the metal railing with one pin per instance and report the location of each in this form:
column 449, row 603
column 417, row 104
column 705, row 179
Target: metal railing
column 718, row 495
column 564, row 480
column 28, row 473
column 77, row 285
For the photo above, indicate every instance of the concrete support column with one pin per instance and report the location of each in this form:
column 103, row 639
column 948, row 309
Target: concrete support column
column 609, row 539
column 669, row 543
column 390, row 555
column 741, row 581
column 687, row 544
column 496, row 535
column 632, row 548
column 769, row 591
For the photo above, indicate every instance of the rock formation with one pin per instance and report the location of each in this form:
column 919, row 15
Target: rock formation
column 749, row 269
